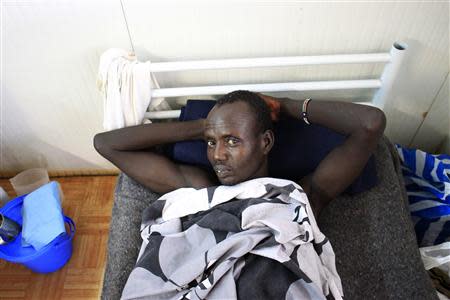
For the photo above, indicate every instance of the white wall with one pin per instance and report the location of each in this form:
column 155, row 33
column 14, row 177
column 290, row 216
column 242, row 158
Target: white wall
column 50, row 108
column 431, row 133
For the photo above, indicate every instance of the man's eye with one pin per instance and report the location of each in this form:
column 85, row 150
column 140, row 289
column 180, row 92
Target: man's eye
column 232, row 142
column 210, row 143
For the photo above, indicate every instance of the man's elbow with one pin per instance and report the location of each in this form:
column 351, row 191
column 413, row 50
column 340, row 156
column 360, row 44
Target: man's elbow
column 100, row 144
column 376, row 122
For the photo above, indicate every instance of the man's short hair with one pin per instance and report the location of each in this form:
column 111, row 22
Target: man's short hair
column 257, row 105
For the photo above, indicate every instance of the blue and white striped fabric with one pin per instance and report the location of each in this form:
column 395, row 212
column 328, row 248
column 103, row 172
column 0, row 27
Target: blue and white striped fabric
column 428, row 187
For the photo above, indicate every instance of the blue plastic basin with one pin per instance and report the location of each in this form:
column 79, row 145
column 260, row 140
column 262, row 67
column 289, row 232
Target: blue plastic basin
column 48, row 259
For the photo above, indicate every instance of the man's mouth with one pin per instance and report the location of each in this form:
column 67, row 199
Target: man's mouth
column 222, row 170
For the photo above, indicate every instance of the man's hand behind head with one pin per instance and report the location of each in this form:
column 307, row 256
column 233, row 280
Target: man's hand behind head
column 274, row 105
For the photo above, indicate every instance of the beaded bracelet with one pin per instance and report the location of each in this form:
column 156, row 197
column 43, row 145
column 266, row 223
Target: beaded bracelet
column 304, row 108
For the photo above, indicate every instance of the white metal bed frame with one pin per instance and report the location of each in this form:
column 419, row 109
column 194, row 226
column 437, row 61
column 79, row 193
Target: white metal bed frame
column 384, row 84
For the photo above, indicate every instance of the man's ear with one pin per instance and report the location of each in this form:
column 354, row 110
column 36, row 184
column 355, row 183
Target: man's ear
column 268, row 140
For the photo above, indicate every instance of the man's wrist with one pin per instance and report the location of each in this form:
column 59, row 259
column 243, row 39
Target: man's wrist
column 291, row 107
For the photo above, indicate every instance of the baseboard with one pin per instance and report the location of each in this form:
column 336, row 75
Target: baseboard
column 65, row 173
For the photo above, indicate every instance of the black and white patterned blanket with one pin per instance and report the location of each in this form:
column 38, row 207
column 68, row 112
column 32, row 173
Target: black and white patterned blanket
column 254, row 240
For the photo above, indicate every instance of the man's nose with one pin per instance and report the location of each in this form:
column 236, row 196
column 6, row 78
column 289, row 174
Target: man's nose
column 220, row 152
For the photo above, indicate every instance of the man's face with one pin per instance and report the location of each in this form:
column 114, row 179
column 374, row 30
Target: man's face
column 235, row 148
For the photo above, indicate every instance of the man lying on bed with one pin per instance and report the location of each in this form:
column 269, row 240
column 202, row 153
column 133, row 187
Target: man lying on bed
column 262, row 256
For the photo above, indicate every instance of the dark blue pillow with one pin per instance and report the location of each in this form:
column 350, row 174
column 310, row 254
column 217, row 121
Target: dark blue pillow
column 297, row 151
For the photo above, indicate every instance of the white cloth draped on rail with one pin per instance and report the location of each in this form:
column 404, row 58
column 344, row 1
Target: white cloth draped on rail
column 126, row 85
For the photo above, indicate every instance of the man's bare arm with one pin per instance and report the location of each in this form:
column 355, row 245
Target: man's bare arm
column 130, row 149
column 361, row 124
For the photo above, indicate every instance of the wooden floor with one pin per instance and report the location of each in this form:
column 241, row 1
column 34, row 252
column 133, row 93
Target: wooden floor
column 88, row 201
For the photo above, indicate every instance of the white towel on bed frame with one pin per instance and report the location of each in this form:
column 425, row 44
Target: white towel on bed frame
column 126, row 84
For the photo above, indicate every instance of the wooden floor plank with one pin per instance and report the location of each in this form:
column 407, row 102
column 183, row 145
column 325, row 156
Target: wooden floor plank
column 88, row 201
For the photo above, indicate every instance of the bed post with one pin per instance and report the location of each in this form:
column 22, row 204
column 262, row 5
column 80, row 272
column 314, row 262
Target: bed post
column 389, row 74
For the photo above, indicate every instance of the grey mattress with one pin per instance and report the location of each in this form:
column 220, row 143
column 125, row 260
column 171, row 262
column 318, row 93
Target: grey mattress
column 372, row 235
